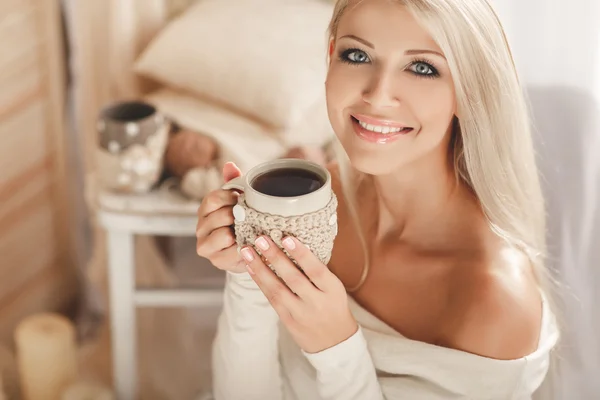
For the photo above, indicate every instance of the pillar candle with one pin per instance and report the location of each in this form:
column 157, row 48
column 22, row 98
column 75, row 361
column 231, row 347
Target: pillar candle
column 46, row 356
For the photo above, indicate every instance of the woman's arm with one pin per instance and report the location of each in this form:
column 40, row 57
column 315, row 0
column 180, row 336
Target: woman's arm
column 346, row 371
column 245, row 351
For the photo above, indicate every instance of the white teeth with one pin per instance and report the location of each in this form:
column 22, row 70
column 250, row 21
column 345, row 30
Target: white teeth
column 378, row 128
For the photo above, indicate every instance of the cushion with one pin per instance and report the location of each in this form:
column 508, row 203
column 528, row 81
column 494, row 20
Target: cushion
column 265, row 59
column 240, row 140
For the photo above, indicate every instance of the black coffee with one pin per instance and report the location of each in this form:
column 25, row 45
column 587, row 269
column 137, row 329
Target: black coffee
column 287, row 182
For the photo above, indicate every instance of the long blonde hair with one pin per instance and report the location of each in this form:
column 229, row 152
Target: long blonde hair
column 492, row 142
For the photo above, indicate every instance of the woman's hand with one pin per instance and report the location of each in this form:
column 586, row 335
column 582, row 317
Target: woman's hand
column 214, row 232
column 314, row 308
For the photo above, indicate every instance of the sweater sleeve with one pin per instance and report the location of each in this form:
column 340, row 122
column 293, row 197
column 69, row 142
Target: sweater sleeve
column 346, row 371
column 245, row 355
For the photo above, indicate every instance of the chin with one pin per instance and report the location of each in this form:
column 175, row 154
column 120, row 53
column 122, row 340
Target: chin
column 373, row 162
column 373, row 167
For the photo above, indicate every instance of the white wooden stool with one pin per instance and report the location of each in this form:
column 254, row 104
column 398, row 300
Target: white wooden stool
column 124, row 216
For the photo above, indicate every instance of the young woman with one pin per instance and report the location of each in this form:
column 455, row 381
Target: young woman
column 436, row 288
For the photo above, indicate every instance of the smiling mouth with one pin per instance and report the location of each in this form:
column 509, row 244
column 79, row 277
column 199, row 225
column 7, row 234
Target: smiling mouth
column 385, row 129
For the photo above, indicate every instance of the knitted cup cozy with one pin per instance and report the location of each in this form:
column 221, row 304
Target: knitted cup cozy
column 316, row 230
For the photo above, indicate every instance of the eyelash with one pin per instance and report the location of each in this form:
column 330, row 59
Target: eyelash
column 344, row 57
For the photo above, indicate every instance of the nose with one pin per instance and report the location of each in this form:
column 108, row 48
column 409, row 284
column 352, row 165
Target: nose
column 380, row 90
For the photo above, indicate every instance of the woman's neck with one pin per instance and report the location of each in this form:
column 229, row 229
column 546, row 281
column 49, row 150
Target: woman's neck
column 418, row 204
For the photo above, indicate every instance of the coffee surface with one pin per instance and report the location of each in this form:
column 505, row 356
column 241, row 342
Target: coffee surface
column 287, row 182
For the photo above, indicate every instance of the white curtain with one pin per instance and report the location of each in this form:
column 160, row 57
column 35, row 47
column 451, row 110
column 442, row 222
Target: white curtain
column 556, row 45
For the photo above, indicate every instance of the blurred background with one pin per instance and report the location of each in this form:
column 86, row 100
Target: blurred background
column 115, row 119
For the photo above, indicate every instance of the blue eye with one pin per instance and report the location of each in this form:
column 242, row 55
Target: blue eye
column 424, row 69
column 354, row 56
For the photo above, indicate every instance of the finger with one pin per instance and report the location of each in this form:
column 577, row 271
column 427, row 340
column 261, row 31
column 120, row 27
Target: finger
column 314, row 269
column 285, row 268
column 278, row 294
column 215, row 200
column 229, row 259
column 217, row 240
column 216, row 219
column 231, row 171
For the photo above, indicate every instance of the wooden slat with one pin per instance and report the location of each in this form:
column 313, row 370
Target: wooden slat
column 12, row 220
column 18, row 30
column 10, row 6
column 21, row 72
column 27, row 92
column 28, row 247
column 26, row 59
column 24, row 142
column 16, row 195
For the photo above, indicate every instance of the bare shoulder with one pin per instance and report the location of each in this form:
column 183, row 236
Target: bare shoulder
column 496, row 308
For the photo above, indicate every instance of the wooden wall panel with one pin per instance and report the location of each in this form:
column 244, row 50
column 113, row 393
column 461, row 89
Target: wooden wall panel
column 37, row 271
column 27, row 247
column 24, row 145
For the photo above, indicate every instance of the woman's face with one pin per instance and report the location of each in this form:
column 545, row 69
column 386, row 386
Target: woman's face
column 390, row 96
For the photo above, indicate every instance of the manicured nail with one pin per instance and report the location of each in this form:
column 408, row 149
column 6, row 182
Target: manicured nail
column 288, row 243
column 262, row 243
column 247, row 254
column 250, row 270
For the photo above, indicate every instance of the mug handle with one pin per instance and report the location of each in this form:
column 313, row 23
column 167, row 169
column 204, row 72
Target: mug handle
column 235, row 184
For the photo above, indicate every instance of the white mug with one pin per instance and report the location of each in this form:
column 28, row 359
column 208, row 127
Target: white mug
column 283, row 206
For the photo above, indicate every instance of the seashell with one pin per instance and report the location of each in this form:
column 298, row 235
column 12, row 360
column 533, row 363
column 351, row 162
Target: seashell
column 114, row 146
column 132, row 129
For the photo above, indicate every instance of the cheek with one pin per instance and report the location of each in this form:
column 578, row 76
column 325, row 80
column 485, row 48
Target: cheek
column 434, row 107
column 344, row 87
column 336, row 86
column 338, row 93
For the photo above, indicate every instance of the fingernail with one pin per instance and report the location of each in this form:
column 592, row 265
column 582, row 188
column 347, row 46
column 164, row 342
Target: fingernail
column 262, row 243
column 250, row 270
column 288, row 243
column 247, row 254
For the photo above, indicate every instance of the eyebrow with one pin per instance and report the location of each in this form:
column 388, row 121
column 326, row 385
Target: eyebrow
column 407, row 52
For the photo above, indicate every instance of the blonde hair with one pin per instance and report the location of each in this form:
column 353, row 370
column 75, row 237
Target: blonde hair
column 492, row 145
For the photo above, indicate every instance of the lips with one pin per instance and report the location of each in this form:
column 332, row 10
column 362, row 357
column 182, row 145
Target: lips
column 379, row 133
column 379, row 122
column 375, row 137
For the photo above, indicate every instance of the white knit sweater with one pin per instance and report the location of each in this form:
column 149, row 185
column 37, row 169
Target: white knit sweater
column 254, row 358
